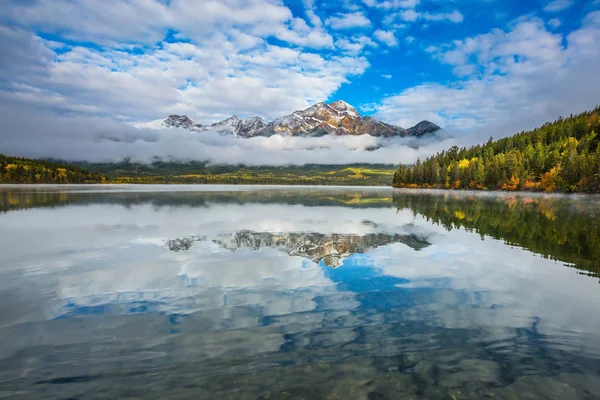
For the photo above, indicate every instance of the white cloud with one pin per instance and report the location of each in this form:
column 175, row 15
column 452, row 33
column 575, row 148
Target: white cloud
column 314, row 19
column 559, row 5
column 453, row 16
column 355, row 45
column 554, row 22
column 347, row 21
column 409, row 15
column 296, row 32
column 386, row 37
column 512, row 80
column 23, row 54
column 412, row 15
column 223, row 65
column 391, row 4
column 227, row 63
column 108, row 21
column 386, row 76
column 145, row 21
column 220, row 76
column 101, row 139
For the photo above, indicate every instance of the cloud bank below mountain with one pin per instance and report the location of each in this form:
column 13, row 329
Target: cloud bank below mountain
column 103, row 140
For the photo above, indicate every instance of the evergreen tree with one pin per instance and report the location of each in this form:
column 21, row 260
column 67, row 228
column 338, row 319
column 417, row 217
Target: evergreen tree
column 559, row 156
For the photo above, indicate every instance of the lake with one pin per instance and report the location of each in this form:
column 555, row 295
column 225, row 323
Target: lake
column 240, row 292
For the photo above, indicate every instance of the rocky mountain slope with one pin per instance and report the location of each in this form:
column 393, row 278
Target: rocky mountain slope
column 337, row 118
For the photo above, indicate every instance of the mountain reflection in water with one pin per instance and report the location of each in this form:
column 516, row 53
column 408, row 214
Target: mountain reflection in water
column 291, row 293
column 332, row 249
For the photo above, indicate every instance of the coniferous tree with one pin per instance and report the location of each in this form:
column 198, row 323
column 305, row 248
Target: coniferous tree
column 559, row 156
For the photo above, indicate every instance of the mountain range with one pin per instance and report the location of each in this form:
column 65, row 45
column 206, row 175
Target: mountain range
column 336, row 118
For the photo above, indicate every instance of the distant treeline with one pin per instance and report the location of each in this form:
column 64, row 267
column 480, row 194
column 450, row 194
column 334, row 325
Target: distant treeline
column 563, row 156
column 198, row 172
column 24, row 170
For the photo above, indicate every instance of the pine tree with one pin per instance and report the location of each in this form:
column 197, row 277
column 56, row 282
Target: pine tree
column 559, row 156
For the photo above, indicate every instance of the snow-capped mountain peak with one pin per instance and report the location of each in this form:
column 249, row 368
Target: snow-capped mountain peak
column 345, row 108
column 154, row 124
column 228, row 125
column 336, row 118
column 172, row 121
column 238, row 126
column 179, row 121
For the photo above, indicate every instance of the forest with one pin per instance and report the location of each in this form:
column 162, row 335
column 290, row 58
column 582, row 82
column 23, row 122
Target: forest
column 24, row 170
column 199, row 172
column 562, row 156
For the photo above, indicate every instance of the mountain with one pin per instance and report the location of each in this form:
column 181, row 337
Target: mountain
column 237, row 126
column 336, row 118
column 172, row 121
column 423, row 128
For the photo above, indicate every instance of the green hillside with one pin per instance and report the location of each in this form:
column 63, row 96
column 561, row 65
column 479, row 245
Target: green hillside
column 563, row 156
column 195, row 172
column 23, row 170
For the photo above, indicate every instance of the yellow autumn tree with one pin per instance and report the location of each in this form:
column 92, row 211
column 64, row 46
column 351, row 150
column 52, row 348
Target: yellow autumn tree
column 512, row 183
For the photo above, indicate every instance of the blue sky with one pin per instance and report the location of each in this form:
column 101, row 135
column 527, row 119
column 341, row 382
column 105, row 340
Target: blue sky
column 487, row 67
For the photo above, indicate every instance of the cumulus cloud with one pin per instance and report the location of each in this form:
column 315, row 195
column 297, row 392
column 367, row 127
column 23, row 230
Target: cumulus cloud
column 23, row 54
column 236, row 74
column 355, row 45
column 113, row 59
column 554, row 22
column 412, row 15
column 143, row 59
column 511, row 80
column 391, row 4
column 408, row 15
column 349, row 20
column 559, row 5
column 406, row 11
column 386, row 37
column 104, row 140
column 453, row 16
column 144, row 21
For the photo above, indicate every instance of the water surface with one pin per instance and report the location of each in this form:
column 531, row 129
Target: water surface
column 216, row 292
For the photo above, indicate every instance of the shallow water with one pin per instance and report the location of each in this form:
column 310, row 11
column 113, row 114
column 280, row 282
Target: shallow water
column 216, row 292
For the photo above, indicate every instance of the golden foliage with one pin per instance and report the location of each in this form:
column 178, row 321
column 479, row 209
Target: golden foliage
column 529, row 185
column 548, row 181
column 464, row 163
column 512, row 184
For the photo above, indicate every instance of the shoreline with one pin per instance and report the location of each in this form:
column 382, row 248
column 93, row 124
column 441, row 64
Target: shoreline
column 534, row 192
column 188, row 184
column 245, row 186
